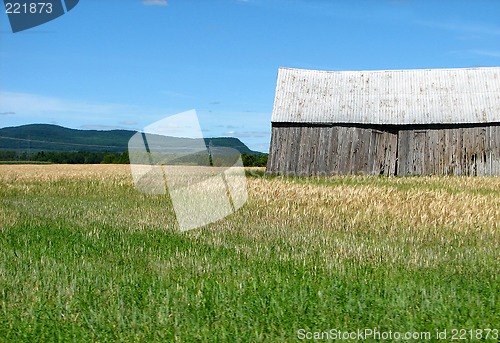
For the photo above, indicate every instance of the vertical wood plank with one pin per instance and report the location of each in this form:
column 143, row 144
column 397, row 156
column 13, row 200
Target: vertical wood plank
column 269, row 165
column 403, row 147
column 391, row 153
column 354, row 140
column 278, row 150
column 341, row 149
column 333, row 160
column 323, row 152
column 372, row 152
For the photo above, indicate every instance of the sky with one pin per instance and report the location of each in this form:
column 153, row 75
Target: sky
column 125, row 64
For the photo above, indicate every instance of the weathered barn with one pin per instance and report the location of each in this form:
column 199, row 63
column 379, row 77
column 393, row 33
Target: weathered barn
column 390, row 122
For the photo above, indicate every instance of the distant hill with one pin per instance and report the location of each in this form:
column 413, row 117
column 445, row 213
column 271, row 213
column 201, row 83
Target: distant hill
column 46, row 137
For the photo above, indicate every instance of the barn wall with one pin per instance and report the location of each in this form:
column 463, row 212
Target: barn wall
column 449, row 151
column 298, row 150
column 331, row 150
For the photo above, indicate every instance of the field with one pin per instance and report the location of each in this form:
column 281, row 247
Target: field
column 85, row 257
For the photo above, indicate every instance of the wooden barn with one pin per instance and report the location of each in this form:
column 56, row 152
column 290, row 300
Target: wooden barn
column 388, row 122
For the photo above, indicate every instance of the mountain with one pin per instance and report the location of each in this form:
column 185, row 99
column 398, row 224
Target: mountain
column 46, row 137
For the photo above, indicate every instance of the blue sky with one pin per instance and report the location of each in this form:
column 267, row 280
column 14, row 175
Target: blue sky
column 128, row 63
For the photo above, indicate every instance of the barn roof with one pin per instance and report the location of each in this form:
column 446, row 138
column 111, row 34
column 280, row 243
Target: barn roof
column 395, row 97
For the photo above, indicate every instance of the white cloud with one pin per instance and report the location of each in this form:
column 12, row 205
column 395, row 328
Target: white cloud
column 484, row 29
column 488, row 53
column 173, row 94
column 28, row 104
column 25, row 108
column 475, row 52
column 155, row 2
column 247, row 134
column 102, row 127
column 128, row 122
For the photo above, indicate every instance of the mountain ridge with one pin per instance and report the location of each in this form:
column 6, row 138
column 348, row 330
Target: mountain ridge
column 51, row 137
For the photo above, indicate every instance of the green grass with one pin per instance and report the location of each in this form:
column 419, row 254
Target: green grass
column 87, row 258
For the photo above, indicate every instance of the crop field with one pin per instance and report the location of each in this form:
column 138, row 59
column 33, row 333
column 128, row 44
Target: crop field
column 86, row 257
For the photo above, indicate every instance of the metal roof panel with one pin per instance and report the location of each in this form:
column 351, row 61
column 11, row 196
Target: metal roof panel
column 393, row 97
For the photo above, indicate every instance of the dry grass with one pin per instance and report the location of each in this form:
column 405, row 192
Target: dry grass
column 58, row 172
column 461, row 203
column 420, row 203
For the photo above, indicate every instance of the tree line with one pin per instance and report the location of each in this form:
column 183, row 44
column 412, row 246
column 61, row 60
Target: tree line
column 90, row 157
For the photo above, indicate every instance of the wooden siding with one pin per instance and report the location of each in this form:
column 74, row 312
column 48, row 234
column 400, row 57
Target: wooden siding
column 454, row 151
column 331, row 150
column 298, row 150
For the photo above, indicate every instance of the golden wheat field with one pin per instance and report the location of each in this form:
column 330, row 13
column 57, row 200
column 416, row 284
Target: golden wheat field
column 464, row 203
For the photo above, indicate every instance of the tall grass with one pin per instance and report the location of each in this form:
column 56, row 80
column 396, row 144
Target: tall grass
column 85, row 257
